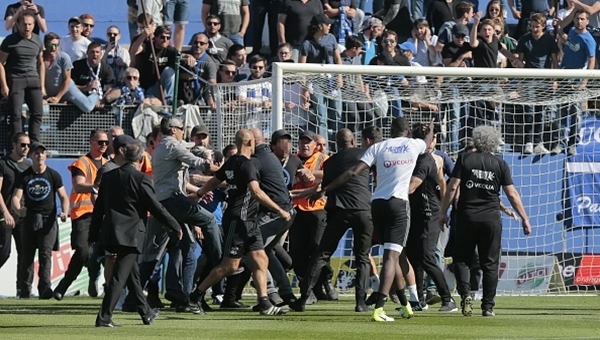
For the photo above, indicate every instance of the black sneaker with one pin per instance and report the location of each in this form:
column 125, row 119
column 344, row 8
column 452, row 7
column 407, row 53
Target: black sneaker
column 432, row 297
column 372, row 299
column 46, row 294
column 448, row 306
column 273, row 310
column 488, row 313
column 189, row 309
column 232, row 305
column 417, row 306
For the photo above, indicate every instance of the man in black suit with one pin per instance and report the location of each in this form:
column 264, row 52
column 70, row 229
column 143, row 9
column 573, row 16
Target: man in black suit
column 124, row 198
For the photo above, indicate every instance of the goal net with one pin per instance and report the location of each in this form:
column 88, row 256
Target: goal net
column 551, row 134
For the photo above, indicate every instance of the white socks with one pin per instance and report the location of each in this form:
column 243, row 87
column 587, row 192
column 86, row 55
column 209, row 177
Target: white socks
column 374, row 282
column 412, row 291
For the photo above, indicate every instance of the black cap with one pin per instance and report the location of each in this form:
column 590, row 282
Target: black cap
column 121, row 140
column 200, row 129
column 36, row 145
column 321, row 19
column 308, row 134
column 279, row 134
column 75, row 19
column 460, row 29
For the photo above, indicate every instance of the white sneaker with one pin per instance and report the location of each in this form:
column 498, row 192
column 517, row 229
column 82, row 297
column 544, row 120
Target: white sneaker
column 540, row 149
column 528, row 150
column 572, row 151
column 557, row 150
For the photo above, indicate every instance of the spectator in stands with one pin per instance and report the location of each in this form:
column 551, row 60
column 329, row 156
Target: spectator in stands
column 194, row 86
column 409, row 50
column 321, row 47
column 438, row 13
column 234, row 17
column 524, row 12
column 226, row 94
column 424, row 43
column 592, row 7
column 479, row 177
column 238, row 54
column 130, row 92
column 353, row 111
column 495, row 10
column 218, row 45
column 146, row 28
column 22, row 78
column 256, row 97
column 177, row 12
column 59, row 86
column 369, row 36
column 396, row 17
column 293, row 22
column 11, row 167
column 343, row 13
column 132, row 19
column 259, row 9
column 87, row 24
column 463, row 14
column 536, row 49
column 579, row 53
column 165, row 54
column 115, row 55
column 93, row 74
column 13, row 11
column 154, row 8
column 457, row 53
column 296, row 100
column 75, row 44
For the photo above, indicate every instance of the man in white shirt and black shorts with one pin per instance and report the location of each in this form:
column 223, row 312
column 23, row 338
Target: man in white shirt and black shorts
column 395, row 159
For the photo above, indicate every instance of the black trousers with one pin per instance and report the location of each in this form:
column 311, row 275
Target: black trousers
column 42, row 240
column 487, row 237
column 81, row 252
column 25, row 90
column 338, row 222
column 6, row 235
column 304, row 237
column 125, row 272
column 259, row 10
column 420, row 250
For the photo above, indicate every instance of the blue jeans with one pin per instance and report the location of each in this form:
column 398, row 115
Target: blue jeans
column 182, row 261
column 167, row 80
column 395, row 105
column 79, row 99
column 176, row 11
column 236, row 38
column 457, row 112
column 328, row 114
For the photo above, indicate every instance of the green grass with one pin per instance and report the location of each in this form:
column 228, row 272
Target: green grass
column 556, row 317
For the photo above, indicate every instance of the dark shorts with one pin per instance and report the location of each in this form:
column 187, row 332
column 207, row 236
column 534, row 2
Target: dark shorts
column 391, row 221
column 241, row 237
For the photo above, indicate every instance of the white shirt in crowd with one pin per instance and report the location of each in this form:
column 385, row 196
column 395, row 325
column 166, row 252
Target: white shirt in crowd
column 75, row 49
column 154, row 8
column 394, row 159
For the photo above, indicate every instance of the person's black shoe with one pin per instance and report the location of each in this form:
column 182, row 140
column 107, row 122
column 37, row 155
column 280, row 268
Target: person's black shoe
column 109, row 325
column 275, row 298
column 58, row 296
column 189, row 309
column 149, row 320
column 93, row 288
column 203, row 305
column 194, row 296
column 232, row 305
column 372, row 299
column 332, row 294
column 46, row 294
column 319, row 293
column 297, row 305
column 362, row 308
column 488, row 313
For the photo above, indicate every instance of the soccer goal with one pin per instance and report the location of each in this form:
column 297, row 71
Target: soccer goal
column 551, row 140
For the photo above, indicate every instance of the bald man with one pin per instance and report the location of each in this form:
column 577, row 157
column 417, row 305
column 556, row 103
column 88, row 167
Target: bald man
column 321, row 144
column 347, row 207
column 242, row 235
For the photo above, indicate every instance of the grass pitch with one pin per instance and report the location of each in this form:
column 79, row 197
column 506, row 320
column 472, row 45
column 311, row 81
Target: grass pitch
column 549, row 317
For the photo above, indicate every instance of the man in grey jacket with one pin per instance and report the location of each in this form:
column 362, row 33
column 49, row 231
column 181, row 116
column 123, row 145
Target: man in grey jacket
column 170, row 163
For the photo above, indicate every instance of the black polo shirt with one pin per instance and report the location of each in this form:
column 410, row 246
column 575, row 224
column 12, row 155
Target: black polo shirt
column 355, row 194
column 272, row 181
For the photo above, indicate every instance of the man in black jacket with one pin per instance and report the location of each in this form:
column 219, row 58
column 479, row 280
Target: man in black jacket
column 124, row 199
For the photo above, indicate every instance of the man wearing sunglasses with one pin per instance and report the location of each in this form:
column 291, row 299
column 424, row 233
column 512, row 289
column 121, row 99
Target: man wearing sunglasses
column 83, row 172
column 165, row 59
column 87, row 25
column 131, row 93
column 11, row 220
column 201, row 71
column 218, row 45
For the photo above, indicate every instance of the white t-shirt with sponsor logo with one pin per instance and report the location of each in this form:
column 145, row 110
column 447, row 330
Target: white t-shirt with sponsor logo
column 395, row 160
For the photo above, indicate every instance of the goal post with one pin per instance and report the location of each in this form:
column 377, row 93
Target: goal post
column 540, row 113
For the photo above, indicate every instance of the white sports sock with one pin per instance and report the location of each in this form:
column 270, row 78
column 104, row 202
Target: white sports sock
column 412, row 291
column 375, row 282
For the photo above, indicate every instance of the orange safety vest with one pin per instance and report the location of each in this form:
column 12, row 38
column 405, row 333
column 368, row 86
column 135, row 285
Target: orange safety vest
column 81, row 203
column 146, row 164
column 315, row 162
